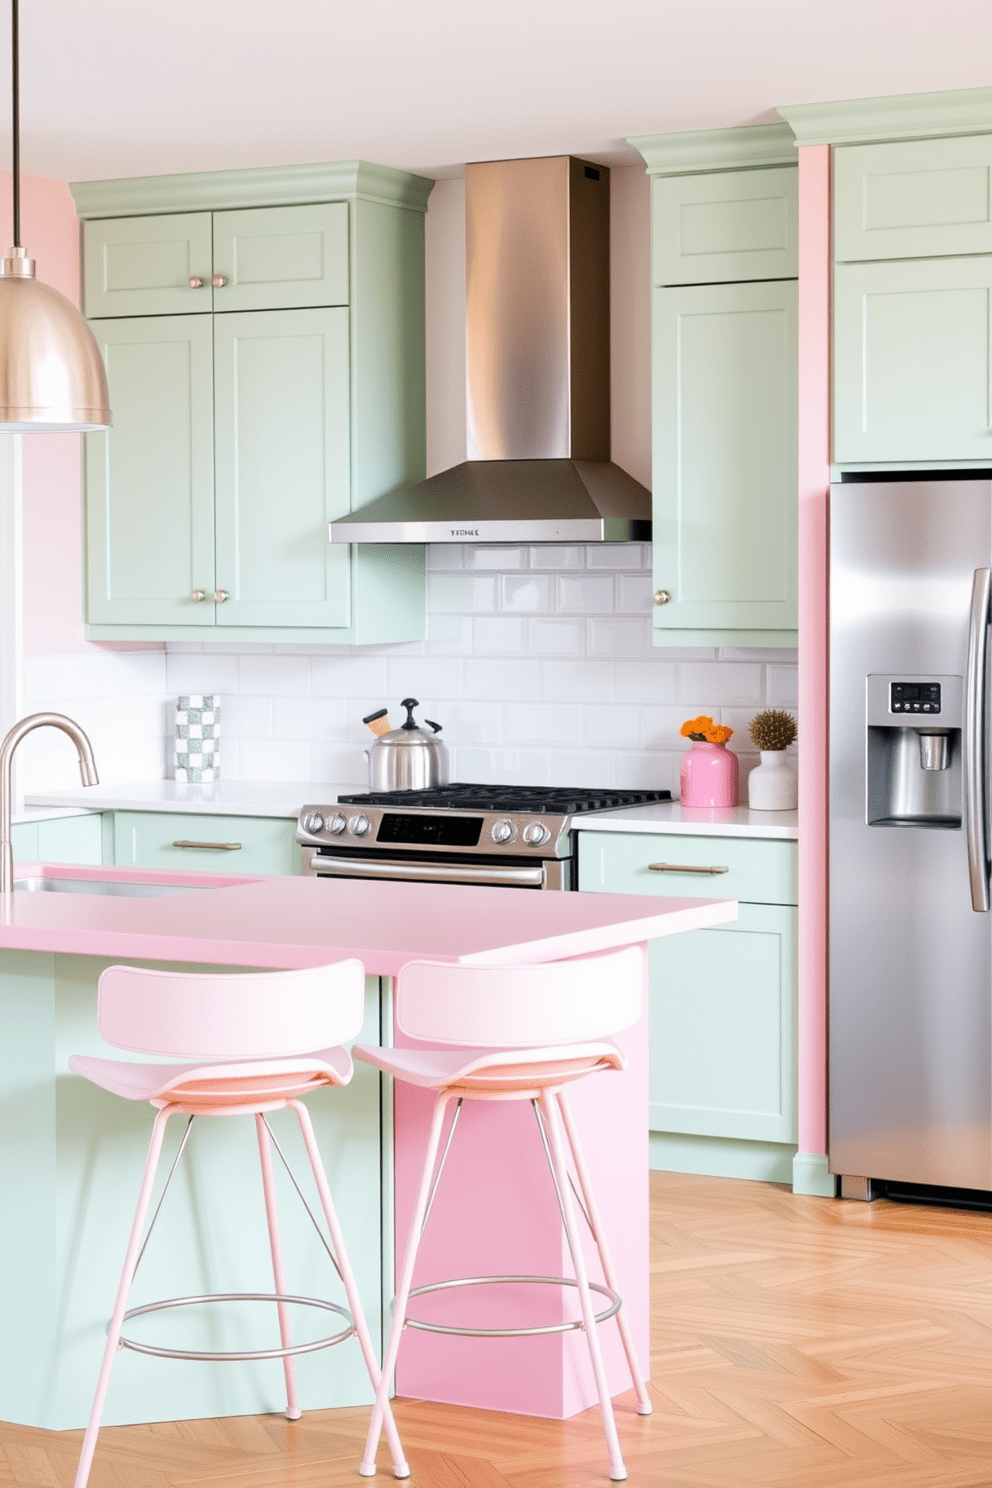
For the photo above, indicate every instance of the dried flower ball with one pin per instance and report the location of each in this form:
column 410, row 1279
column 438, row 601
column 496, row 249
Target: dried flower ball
column 773, row 729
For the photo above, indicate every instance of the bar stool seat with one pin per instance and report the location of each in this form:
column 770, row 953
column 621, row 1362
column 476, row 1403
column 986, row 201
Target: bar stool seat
column 521, row 1033
column 248, row 1044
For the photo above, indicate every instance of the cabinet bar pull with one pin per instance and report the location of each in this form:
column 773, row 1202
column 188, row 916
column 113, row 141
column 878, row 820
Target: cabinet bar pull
column 212, row 846
column 683, row 868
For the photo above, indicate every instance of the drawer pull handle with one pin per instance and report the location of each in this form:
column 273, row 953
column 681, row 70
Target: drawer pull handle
column 683, row 868
column 211, row 846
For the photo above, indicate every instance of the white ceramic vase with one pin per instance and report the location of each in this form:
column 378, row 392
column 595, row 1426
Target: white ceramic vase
column 773, row 785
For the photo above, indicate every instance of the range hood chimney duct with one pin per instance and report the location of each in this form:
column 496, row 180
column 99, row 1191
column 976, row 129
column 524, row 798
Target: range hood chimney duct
column 538, row 375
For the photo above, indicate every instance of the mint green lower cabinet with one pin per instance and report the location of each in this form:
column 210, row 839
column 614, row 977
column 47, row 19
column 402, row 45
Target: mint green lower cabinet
column 913, row 360
column 723, row 1075
column 281, row 411
column 64, row 839
column 71, row 1157
column 149, row 479
column 725, row 494
column 723, row 1032
column 214, row 844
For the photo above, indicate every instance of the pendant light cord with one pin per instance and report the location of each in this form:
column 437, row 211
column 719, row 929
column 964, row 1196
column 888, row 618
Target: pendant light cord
column 16, row 129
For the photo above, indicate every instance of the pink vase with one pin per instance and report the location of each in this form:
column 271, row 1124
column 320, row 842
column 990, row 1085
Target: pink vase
column 708, row 775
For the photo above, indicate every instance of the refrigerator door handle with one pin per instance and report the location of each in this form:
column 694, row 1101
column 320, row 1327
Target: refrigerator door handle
column 975, row 784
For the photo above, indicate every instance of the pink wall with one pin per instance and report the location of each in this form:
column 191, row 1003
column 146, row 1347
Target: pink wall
column 53, row 599
column 814, row 482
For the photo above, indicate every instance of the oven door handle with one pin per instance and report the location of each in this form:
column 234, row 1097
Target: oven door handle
column 529, row 876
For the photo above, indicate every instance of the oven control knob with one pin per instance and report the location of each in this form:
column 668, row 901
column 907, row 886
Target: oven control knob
column 359, row 825
column 313, row 823
column 503, row 830
column 336, row 824
column 536, row 833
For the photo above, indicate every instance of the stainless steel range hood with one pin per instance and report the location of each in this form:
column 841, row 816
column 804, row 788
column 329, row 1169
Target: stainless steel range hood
column 538, row 375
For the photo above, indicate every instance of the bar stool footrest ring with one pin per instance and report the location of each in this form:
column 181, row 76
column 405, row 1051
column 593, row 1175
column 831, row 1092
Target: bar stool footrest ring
column 612, row 1297
column 219, row 1356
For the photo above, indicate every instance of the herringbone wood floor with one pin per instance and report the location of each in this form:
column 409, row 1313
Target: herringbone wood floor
column 797, row 1343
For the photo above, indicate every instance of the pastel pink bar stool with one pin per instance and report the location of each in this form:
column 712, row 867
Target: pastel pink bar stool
column 258, row 1042
column 522, row 1033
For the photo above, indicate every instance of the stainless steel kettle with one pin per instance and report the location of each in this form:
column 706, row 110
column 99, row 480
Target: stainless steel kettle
column 408, row 758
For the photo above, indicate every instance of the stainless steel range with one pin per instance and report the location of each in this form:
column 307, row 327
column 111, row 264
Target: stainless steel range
column 474, row 834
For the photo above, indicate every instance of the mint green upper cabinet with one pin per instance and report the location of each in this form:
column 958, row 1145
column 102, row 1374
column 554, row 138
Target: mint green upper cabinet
column 143, row 265
column 912, row 347
column 301, row 398
column 276, row 258
column 724, row 226
column 281, row 411
column 724, row 428
column 149, row 481
column 913, row 199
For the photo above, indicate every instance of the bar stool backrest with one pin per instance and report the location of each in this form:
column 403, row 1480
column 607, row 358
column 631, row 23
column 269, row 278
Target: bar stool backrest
column 561, row 1002
column 196, row 1015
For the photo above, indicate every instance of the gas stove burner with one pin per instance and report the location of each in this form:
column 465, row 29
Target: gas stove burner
column 539, row 799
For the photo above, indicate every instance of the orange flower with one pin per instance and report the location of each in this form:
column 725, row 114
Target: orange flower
column 704, row 730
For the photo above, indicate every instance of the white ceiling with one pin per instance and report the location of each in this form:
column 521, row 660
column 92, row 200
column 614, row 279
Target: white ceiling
column 129, row 87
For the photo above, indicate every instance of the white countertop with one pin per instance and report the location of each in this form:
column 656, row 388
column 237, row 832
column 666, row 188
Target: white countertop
column 226, row 798
column 669, row 816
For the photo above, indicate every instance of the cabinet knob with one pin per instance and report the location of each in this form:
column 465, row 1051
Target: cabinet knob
column 195, row 282
column 662, row 596
column 220, row 595
column 198, row 596
column 218, row 281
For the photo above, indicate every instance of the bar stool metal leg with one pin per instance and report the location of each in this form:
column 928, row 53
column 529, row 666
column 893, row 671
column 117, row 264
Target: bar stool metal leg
column 120, row 1306
column 367, row 1468
column 552, row 1119
column 644, row 1406
column 293, row 1412
column 401, row 1467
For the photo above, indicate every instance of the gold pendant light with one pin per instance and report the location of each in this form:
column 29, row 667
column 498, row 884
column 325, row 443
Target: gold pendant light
column 51, row 372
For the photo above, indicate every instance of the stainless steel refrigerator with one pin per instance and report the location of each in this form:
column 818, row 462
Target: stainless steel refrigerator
column 910, row 1013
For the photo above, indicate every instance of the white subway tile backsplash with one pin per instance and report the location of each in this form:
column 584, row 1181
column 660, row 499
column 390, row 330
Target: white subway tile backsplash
column 503, row 680
column 557, row 637
column 500, row 635
column 584, row 594
column 726, row 682
column 542, row 723
column 578, row 681
column 461, row 593
column 552, row 557
column 526, row 592
column 275, row 676
column 539, row 665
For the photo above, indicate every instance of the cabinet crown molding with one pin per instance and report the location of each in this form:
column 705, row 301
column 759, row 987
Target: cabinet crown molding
column 264, row 186
column 689, row 151
column 901, row 116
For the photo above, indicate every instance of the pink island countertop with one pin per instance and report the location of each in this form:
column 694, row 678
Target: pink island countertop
column 291, row 922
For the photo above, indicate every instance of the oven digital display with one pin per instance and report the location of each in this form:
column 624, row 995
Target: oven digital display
column 433, row 831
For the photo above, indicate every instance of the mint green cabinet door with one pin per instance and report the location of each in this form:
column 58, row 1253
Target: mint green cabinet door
column 143, row 265
column 723, row 1029
column 276, row 258
column 149, row 480
column 757, row 870
column 725, row 481
column 912, row 345
column 724, row 226
column 63, row 839
column 205, row 843
column 283, row 458
column 913, row 198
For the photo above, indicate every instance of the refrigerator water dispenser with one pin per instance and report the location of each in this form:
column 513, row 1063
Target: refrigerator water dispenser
column 913, row 754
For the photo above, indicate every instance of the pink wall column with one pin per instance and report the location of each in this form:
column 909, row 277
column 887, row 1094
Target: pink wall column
column 53, row 544
column 814, row 481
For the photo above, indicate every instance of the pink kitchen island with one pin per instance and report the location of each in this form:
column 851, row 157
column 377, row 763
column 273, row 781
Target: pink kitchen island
column 71, row 1156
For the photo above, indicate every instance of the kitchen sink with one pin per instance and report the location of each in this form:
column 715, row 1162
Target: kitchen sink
column 113, row 888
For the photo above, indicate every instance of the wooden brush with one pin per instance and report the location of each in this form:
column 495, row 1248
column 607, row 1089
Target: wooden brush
column 378, row 722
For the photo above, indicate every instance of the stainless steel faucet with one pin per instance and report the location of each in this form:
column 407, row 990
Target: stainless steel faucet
column 87, row 770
